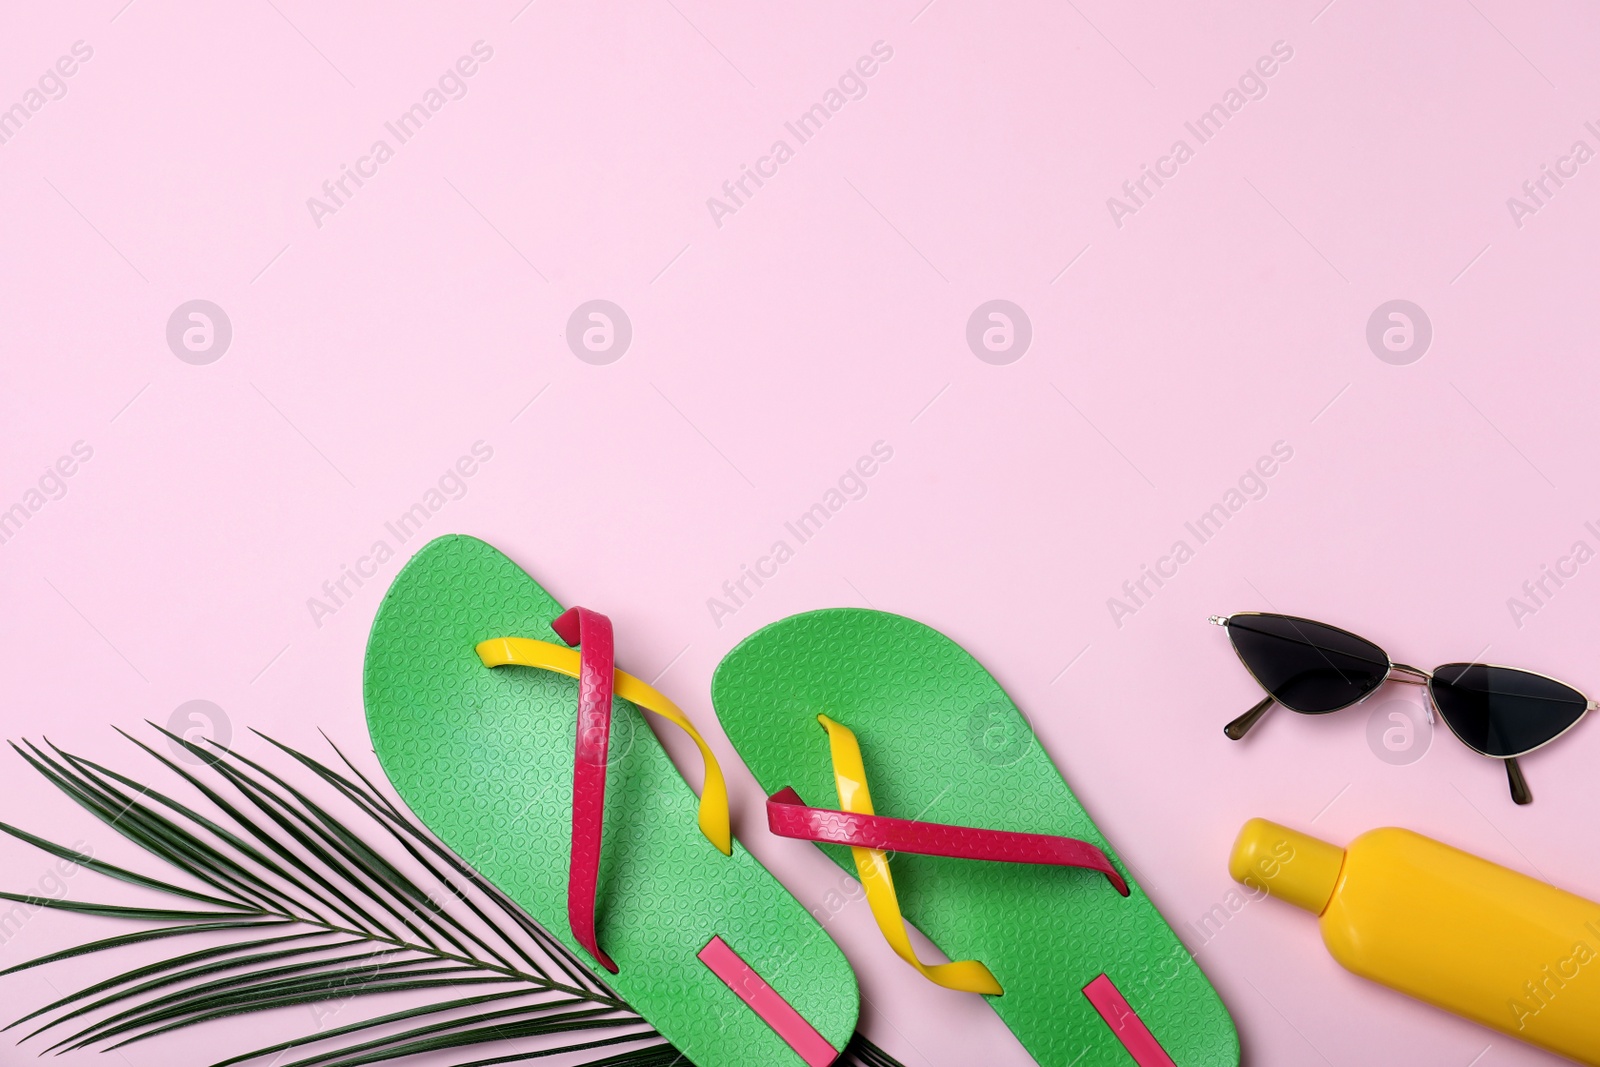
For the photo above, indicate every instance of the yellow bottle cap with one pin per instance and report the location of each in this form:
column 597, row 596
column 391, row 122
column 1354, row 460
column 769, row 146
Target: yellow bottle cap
column 1289, row 865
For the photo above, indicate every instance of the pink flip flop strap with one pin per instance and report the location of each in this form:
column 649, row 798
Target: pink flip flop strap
column 767, row 1003
column 788, row 816
column 591, row 632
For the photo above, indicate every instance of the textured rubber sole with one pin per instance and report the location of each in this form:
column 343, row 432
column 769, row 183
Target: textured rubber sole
column 484, row 758
column 942, row 742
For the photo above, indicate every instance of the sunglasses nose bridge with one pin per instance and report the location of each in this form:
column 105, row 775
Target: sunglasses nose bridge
column 1404, row 672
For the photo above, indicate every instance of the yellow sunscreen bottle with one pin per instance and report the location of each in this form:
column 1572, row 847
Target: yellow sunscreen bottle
column 1444, row 926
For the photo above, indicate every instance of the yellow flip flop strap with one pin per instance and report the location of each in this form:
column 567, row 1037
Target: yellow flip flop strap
column 850, row 776
column 526, row 652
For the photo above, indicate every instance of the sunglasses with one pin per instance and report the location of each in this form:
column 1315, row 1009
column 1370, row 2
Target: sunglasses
column 1314, row 668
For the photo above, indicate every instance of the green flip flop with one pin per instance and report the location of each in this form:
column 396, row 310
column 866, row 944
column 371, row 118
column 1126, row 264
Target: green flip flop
column 476, row 722
column 1082, row 974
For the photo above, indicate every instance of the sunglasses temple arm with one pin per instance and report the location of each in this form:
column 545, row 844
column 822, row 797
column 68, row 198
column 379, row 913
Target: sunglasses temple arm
column 1241, row 726
column 1519, row 785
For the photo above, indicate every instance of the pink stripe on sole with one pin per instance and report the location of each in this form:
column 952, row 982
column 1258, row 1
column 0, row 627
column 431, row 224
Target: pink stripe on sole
column 1126, row 1024
column 776, row 1012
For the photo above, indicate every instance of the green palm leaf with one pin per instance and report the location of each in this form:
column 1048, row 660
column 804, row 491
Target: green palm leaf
column 321, row 896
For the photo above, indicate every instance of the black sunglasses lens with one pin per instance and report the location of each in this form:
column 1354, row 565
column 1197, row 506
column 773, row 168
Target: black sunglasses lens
column 1307, row 666
column 1503, row 712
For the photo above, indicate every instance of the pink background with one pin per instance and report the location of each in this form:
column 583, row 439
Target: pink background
column 828, row 313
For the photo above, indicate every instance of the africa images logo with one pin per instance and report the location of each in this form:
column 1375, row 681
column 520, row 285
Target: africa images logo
column 1251, row 485
column 451, row 85
column 50, row 86
column 1252, row 85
